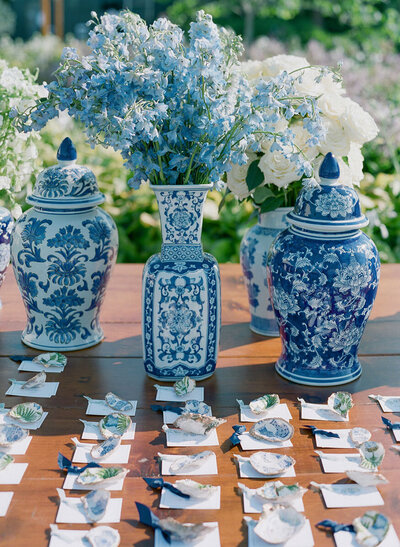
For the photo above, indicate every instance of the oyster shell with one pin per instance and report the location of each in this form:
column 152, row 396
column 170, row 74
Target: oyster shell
column 371, row 529
column 340, row 402
column 35, row 381
column 372, row 454
column 279, row 492
column 188, row 464
column 269, row 463
column 100, row 451
column 5, row 460
column 101, row 475
column 95, row 504
column 114, row 425
column 264, row 403
column 184, row 386
column 196, row 407
column 103, row 536
column 10, row 433
column 359, row 435
column 272, row 430
column 195, row 489
column 26, row 412
column 279, row 524
column 366, row 478
column 197, row 423
column 53, row 359
column 116, row 403
column 186, row 533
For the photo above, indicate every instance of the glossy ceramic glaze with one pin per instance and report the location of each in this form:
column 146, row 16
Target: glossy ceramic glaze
column 6, row 226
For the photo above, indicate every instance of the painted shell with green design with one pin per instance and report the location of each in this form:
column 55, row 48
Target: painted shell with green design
column 340, row 403
column 114, row 425
column 53, row 359
column 371, row 529
column 195, row 489
column 26, row 412
column 5, row 460
column 94, row 476
column 276, row 491
column 184, row 386
column 372, row 454
column 264, row 403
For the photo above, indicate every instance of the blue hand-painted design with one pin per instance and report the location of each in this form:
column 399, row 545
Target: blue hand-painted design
column 100, row 233
column 67, row 264
column 63, row 324
column 32, row 235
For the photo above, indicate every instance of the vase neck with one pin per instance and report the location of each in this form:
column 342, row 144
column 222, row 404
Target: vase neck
column 274, row 219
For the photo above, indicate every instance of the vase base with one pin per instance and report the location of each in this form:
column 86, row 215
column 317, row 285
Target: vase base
column 85, row 345
column 319, row 380
column 175, row 378
column 264, row 326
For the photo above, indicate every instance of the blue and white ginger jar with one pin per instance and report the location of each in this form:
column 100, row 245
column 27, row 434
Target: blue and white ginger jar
column 181, row 298
column 6, row 226
column 63, row 250
column 323, row 274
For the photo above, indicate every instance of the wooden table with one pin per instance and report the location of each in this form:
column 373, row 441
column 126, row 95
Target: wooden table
column 245, row 370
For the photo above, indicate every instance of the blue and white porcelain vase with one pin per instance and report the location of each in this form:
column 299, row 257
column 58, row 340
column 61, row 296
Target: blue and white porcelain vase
column 181, row 300
column 323, row 274
column 6, row 226
column 63, row 250
column 253, row 258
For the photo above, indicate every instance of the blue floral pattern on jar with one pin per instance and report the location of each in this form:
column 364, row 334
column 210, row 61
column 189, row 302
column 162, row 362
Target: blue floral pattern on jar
column 6, row 226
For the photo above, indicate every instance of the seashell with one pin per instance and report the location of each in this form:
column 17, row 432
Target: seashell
column 366, row 478
column 100, row 475
column 278, row 525
column 272, row 430
column 100, row 451
column 371, row 529
column 35, row 381
column 269, row 463
column 197, row 423
column 116, row 403
column 195, row 489
column 372, row 454
column 197, row 407
column 114, row 425
column 5, row 459
column 280, row 492
column 264, row 403
column 184, row 386
column 10, row 433
column 95, row 504
column 359, row 435
column 103, row 536
column 340, row 402
column 53, row 359
column 188, row 464
column 26, row 412
column 186, row 533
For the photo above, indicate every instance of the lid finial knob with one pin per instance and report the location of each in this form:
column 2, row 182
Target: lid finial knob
column 66, row 150
column 329, row 168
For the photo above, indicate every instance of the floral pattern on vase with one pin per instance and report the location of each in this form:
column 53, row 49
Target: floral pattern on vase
column 181, row 292
column 253, row 258
column 6, row 226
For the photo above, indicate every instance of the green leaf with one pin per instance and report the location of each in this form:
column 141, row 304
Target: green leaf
column 255, row 176
column 271, row 204
column 262, row 193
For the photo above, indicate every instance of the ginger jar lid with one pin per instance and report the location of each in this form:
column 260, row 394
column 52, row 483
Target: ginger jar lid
column 66, row 184
column 329, row 206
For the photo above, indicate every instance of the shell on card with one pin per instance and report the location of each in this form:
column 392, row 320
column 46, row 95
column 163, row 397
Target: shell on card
column 114, row 425
column 187, row 464
column 95, row 504
column 103, row 536
column 372, row 454
column 35, row 381
column 366, row 478
column 93, row 476
column 276, row 491
column 52, row 359
column 371, row 529
column 197, row 407
column 279, row 524
column 270, row 463
column 184, row 386
column 359, row 435
column 186, row 533
column 340, row 403
column 116, row 403
column 100, row 451
column 264, row 403
column 272, row 430
column 26, row 412
column 197, row 423
column 5, row 460
column 10, row 433
column 195, row 489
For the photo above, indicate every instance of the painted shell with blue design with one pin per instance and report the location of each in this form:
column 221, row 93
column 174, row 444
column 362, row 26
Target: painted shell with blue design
column 53, row 359
column 272, row 430
column 103, row 536
column 26, row 412
column 94, row 476
column 279, row 492
column 195, row 489
column 114, row 425
column 185, row 533
column 10, row 433
column 184, row 386
column 95, row 504
column 197, row 407
column 5, row 460
column 359, row 435
column 279, row 524
column 371, row 529
column 105, row 448
column 116, row 403
column 197, row 424
column 264, row 403
column 366, row 478
column 269, row 463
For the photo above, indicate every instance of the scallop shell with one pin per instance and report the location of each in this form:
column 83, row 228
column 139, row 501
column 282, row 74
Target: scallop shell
column 35, row 381
column 278, row 525
column 269, row 463
column 264, row 403
column 372, row 454
column 272, row 430
column 26, row 412
column 359, row 435
column 100, row 451
column 195, row 489
column 95, row 504
column 10, row 433
column 53, row 359
column 103, row 536
column 100, row 475
column 340, row 403
column 371, row 529
column 184, row 386
column 197, row 407
column 366, row 478
column 5, row 460
column 116, row 403
column 197, row 423
column 188, row 464
column 186, row 533
column 114, row 425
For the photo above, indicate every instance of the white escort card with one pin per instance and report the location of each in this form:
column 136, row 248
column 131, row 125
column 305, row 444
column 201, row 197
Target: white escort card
column 210, row 540
column 303, row 538
column 71, row 538
column 4, row 419
column 46, row 390
column 71, row 511
column 247, row 471
column 350, row 495
column 98, row 407
column 13, row 473
column 5, row 500
column 254, row 504
column 169, row 500
column 91, row 432
column 344, row 440
column 209, row 467
column 176, row 437
column 167, row 393
column 70, row 483
column 169, row 417
column 348, row 539
column 388, row 403
column 396, row 434
column 247, row 442
column 119, row 455
column 311, row 411
column 279, row 411
column 18, row 448
column 339, row 463
column 32, row 366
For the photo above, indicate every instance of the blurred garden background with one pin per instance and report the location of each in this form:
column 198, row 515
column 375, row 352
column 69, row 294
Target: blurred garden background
column 362, row 35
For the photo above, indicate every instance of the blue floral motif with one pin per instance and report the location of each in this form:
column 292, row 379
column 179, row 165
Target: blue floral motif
column 32, row 236
column 181, row 211
column 100, row 233
column 66, row 181
column 334, row 204
column 63, row 324
column 67, row 264
column 69, row 237
column 6, row 225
